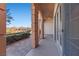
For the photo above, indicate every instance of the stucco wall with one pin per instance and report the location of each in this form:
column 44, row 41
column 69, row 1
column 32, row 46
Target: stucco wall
column 48, row 27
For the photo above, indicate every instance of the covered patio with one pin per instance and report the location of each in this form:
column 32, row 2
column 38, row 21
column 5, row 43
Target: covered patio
column 42, row 22
column 42, row 31
column 43, row 43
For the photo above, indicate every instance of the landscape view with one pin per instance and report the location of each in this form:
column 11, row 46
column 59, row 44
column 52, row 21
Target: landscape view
column 18, row 25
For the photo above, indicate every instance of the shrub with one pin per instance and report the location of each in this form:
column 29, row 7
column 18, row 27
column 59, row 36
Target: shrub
column 16, row 37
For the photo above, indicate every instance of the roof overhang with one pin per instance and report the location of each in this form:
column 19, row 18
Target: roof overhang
column 47, row 10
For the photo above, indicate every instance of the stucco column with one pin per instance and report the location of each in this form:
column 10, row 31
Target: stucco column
column 2, row 30
column 42, row 29
column 34, row 26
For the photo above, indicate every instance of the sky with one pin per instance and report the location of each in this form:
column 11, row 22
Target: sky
column 21, row 12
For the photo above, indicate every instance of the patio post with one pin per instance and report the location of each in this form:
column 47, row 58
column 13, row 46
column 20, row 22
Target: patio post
column 2, row 30
column 42, row 29
column 34, row 26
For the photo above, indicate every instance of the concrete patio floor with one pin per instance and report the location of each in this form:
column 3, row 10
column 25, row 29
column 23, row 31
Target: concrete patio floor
column 19, row 48
column 46, row 47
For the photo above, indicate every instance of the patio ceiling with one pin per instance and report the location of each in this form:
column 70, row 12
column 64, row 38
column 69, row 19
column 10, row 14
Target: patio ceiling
column 47, row 10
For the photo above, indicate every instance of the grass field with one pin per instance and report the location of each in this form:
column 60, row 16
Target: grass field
column 13, row 37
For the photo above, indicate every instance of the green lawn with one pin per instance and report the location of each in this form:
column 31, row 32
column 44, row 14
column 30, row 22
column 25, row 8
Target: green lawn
column 13, row 37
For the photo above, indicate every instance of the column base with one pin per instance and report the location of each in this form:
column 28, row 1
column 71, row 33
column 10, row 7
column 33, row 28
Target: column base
column 35, row 46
